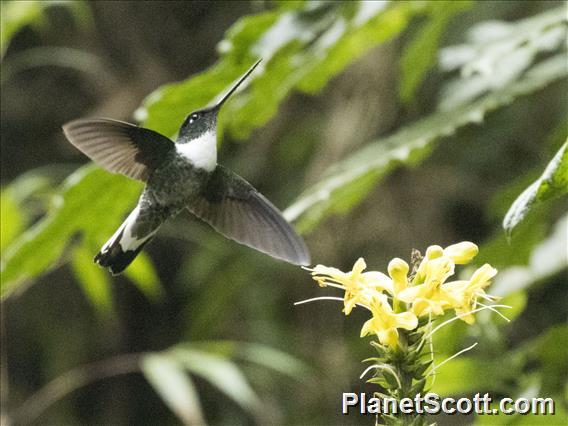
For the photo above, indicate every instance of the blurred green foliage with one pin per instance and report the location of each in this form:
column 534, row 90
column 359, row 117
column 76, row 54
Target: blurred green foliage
column 12, row 222
column 81, row 209
column 212, row 361
column 420, row 56
column 348, row 182
column 450, row 95
column 552, row 183
column 302, row 45
column 16, row 15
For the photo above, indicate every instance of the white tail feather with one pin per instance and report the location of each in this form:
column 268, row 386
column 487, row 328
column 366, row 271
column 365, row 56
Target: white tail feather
column 128, row 241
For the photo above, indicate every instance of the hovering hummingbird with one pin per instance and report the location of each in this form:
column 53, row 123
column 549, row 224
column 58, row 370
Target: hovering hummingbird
column 181, row 175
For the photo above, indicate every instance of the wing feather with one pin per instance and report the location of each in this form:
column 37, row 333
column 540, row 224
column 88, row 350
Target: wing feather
column 119, row 147
column 238, row 211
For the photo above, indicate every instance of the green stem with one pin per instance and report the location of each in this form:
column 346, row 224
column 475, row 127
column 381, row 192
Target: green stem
column 406, row 361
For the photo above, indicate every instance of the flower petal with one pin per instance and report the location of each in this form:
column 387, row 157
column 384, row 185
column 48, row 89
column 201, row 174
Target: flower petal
column 465, row 315
column 406, row 320
column 482, row 277
column 359, row 266
column 349, row 303
column 388, row 337
column 438, row 270
column 409, row 294
column 377, row 281
column 398, row 270
column 461, row 253
column 367, row 328
column 326, row 270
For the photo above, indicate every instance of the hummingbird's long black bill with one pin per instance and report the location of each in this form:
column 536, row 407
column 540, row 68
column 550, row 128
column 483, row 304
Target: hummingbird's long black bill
column 220, row 103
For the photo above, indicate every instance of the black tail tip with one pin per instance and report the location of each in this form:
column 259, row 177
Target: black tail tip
column 115, row 260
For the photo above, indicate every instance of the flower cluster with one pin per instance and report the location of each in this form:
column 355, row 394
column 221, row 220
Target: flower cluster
column 397, row 300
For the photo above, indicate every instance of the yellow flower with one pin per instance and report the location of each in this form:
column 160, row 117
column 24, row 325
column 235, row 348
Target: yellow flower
column 385, row 322
column 432, row 252
column 427, row 294
column 398, row 271
column 359, row 286
column 466, row 293
column 461, row 253
column 431, row 297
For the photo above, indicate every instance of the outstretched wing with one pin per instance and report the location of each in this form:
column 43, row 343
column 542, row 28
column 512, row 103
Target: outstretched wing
column 119, row 147
column 238, row 211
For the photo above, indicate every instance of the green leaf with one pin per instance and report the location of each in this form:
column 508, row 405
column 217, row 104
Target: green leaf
column 27, row 196
column 273, row 359
column 552, row 184
column 419, row 56
column 92, row 202
column 473, row 375
column 75, row 59
column 351, row 36
column 164, row 109
column 538, row 367
column 496, row 53
column 553, row 357
column 546, row 259
column 502, row 252
column 220, row 372
column 517, row 301
column 262, row 355
column 302, row 48
column 559, row 418
column 390, row 377
column 15, row 15
column 94, row 280
column 171, row 382
column 142, row 273
column 217, row 296
column 11, row 220
column 349, row 181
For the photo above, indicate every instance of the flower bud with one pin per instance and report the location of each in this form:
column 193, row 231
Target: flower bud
column 398, row 271
column 461, row 253
column 433, row 252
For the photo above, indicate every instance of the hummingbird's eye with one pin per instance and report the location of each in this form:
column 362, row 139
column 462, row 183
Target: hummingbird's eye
column 193, row 117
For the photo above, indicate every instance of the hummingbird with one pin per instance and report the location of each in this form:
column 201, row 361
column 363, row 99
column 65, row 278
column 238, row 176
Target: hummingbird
column 182, row 175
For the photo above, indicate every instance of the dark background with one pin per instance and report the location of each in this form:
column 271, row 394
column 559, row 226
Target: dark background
column 215, row 289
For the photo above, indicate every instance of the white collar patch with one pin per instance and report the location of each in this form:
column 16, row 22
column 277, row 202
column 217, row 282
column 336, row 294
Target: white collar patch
column 201, row 152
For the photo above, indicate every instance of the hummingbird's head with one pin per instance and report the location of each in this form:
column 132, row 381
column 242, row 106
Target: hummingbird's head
column 204, row 120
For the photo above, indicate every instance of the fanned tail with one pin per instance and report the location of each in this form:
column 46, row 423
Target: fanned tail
column 123, row 247
column 116, row 259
